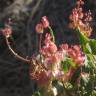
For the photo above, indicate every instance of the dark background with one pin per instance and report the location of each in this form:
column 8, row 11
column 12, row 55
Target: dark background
column 25, row 14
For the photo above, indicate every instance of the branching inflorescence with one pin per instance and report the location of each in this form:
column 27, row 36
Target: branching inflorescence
column 56, row 62
column 81, row 19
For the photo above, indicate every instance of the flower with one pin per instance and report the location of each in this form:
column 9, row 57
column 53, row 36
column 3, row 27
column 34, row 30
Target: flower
column 45, row 22
column 79, row 2
column 43, row 77
column 39, row 28
column 76, row 54
column 7, row 31
column 81, row 19
column 54, row 60
column 49, row 48
column 64, row 46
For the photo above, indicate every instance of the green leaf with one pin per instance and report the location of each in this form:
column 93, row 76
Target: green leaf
column 92, row 44
column 70, row 61
column 75, row 76
column 91, row 60
column 86, row 48
column 66, row 64
column 83, row 39
column 88, row 45
column 86, row 62
column 37, row 94
column 68, row 85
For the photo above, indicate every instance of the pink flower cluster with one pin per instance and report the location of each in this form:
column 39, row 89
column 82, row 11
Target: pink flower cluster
column 52, row 58
column 77, row 56
column 7, row 31
column 49, row 48
column 43, row 24
column 50, row 65
column 43, row 77
column 75, row 53
column 81, row 19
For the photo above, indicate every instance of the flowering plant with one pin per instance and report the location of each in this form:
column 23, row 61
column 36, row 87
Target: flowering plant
column 64, row 70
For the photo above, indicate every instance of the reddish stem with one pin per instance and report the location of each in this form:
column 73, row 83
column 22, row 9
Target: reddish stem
column 14, row 53
column 40, row 41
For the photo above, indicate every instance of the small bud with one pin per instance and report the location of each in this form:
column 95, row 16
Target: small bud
column 39, row 28
column 45, row 22
column 7, row 31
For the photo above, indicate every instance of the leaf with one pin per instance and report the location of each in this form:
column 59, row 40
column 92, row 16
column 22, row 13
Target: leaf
column 37, row 94
column 92, row 44
column 70, row 61
column 75, row 76
column 66, row 64
column 68, row 85
column 85, row 78
column 83, row 39
column 86, row 48
column 91, row 61
column 88, row 45
column 58, row 86
column 54, row 90
column 86, row 62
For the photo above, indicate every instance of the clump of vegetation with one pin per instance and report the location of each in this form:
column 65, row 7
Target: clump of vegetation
column 64, row 70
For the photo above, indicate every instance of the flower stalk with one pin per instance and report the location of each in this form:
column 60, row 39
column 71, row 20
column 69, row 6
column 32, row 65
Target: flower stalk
column 14, row 53
column 52, row 34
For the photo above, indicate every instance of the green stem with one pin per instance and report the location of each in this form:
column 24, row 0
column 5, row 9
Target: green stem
column 52, row 34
